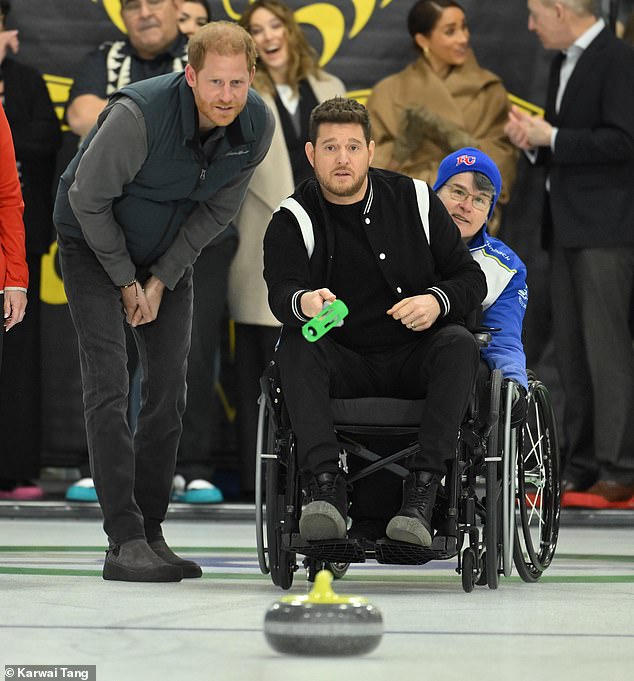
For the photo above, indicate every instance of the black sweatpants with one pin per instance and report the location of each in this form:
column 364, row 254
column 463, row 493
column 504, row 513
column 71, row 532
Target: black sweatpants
column 20, row 388
column 439, row 364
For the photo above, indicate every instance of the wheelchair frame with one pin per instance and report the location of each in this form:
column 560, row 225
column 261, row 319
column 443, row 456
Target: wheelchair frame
column 515, row 521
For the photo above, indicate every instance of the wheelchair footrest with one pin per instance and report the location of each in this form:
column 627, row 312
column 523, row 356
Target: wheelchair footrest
column 400, row 553
column 330, row 551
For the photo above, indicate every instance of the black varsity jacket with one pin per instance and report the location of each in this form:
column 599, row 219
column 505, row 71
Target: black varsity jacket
column 416, row 244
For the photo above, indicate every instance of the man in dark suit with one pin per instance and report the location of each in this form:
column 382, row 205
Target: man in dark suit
column 586, row 140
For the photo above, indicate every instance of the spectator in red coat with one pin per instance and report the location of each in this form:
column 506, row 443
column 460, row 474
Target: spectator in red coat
column 14, row 275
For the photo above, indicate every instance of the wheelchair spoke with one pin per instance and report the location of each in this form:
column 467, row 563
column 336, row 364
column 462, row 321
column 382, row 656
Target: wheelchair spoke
column 535, row 450
column 534, row 502
column 537, row 441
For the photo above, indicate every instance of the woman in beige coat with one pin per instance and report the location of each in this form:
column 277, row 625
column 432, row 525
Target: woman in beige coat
column 291, row 83
column 441, row 102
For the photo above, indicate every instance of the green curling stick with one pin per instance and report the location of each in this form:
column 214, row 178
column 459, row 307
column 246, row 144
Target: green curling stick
column 331, row 315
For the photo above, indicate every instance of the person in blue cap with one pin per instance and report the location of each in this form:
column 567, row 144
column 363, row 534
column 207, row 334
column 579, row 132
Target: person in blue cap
column 469, row 185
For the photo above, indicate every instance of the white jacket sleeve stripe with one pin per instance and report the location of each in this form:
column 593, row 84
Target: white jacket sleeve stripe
column 304, row 221
column 443, row 296
column 422, row 198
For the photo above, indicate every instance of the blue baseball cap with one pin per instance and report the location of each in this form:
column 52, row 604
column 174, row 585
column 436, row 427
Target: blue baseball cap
column 469, row 160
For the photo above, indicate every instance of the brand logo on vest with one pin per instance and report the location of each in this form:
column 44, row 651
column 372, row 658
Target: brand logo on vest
column 467, row 160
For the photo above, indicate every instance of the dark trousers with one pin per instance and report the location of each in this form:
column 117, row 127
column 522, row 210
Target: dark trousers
column 439, row 364
column 20, row 388
column 133, row 472
column 210, row 298
column 591, row 290
column 255, row 347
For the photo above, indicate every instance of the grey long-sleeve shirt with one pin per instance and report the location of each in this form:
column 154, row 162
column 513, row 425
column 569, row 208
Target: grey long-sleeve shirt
column 112, row 160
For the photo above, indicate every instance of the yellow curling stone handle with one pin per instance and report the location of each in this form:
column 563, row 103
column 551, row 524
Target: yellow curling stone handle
column 322, row 594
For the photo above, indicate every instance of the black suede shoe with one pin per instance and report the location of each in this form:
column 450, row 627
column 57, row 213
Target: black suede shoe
column 413, row 523
column 135, row 561
column 325, row 514
column 190, row 569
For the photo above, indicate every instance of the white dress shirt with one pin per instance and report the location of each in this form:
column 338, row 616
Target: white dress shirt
column 573, row 53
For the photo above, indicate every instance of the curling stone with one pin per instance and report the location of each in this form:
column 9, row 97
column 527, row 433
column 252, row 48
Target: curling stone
column 323, row 623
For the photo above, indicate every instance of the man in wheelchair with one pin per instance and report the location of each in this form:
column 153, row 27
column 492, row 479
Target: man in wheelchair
column 384, row 244
column 469, row 184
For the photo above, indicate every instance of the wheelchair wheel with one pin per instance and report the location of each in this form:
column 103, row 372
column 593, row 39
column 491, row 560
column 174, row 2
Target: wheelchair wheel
column 490, row 572
column 270, row 502
column 468, row 570
column 537, row 526
column 281, row 562
column 509, row 483
column 265, row 447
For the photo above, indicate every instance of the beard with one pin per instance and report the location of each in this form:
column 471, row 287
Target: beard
column 343, row 189
column 216, row 116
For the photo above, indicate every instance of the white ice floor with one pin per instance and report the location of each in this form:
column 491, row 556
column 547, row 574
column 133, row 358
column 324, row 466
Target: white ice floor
column 575, row 624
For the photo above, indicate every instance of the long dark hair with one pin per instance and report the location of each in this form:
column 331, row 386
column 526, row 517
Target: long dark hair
column 424, row 15
column 205, row 4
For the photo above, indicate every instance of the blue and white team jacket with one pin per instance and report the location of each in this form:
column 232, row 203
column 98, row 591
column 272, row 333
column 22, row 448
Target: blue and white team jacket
column 504, row 306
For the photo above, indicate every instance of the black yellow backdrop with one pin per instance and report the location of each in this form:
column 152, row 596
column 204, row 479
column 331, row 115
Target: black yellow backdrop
column 360, row 41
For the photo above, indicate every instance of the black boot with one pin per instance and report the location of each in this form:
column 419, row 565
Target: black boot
column 162, row 550
column 412, row 524
column 134, row 561
column 325, row 514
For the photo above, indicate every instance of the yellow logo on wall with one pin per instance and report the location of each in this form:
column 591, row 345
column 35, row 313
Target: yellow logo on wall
column 51, row 285
column 58, row 90
column 329, row 20
column 113, row 9
column 326, row 17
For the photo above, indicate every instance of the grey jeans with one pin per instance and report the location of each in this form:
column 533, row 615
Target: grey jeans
column 133, row 472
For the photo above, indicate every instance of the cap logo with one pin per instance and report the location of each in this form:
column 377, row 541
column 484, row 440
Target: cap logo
column 467, row 160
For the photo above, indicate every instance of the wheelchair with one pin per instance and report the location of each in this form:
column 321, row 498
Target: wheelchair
column 499, row 504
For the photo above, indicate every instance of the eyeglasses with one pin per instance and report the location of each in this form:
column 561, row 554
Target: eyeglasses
column 134, row 6
column 479, row 201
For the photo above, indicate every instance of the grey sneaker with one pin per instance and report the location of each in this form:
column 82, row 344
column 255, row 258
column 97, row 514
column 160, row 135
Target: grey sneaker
column 325, row 515
column 412, row 524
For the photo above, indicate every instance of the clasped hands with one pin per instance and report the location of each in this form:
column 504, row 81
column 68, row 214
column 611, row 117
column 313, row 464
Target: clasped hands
column 416, row 313
column 527, row 132
column 141, row 302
